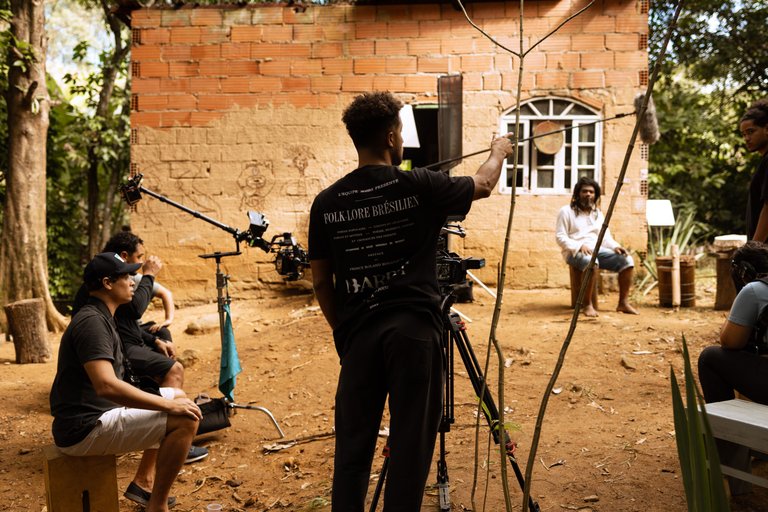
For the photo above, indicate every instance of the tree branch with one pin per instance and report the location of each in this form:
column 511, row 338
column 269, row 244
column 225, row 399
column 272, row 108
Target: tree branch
column 569, row 18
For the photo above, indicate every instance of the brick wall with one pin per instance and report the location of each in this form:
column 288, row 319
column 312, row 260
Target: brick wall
column 238, row 109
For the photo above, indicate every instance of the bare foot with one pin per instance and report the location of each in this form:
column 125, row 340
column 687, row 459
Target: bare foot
column 627, row 308
column 589, row 311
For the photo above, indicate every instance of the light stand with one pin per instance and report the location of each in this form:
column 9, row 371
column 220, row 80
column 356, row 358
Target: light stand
column 223, row 300
column 290, row 260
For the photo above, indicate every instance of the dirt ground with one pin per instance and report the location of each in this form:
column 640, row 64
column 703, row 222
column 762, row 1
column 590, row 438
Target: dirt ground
column 607, row 442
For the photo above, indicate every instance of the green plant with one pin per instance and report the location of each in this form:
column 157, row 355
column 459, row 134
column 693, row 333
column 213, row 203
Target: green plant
column 684, row 234
column 699, row 462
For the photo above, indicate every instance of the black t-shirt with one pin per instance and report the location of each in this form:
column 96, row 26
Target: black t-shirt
column 758, row 196
column 379, row 226
column 75, row 406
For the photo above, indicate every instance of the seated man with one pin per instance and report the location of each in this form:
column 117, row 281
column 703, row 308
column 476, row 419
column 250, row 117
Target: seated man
column 149, row 355
column 737, row 363
column 95, row 411
column 578, row 226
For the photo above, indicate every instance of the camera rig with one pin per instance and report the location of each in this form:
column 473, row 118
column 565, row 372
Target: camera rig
column 452, row 268
column 290, row 257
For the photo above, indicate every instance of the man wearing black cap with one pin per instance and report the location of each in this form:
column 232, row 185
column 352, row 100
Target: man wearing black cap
column 95, row 411
column 151, row 358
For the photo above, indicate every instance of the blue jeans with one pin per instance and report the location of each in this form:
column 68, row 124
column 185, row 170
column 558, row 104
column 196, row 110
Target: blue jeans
column 607, row 259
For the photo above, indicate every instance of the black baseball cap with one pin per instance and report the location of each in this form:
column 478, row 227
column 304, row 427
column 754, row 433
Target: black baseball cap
column 107, row 264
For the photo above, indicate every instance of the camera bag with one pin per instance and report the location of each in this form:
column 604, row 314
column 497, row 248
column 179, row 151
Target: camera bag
column 216, row 414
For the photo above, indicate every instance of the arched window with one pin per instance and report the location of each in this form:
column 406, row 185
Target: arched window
column 555, row 170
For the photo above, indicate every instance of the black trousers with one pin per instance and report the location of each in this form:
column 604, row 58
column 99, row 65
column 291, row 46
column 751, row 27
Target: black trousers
column 721, row 372
column 397, row 354
column 163, row 333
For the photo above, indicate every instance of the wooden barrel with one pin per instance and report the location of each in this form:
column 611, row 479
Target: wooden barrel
column 726, row 291
column 687, row 281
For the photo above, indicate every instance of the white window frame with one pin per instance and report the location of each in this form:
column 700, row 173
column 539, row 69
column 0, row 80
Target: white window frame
column 530, row 153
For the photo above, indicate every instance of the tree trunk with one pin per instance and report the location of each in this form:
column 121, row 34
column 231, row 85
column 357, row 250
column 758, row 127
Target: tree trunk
column 26, row 322
column 94, row 222
column 23, row 245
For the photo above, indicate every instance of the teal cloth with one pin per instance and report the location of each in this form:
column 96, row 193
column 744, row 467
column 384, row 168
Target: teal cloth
column 230, row 362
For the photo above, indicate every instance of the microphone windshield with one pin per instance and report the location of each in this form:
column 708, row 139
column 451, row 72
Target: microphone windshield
column 649, row 125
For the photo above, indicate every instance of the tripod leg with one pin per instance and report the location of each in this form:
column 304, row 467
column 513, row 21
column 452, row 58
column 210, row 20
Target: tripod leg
column 443, row 485
column 382, row 477
column 262, row 409
column 490, row 410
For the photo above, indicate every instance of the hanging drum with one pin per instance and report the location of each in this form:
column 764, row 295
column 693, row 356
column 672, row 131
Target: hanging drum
column 548, row 144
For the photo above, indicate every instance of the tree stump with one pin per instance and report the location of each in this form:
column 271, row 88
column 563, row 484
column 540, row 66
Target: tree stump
column 26, row 323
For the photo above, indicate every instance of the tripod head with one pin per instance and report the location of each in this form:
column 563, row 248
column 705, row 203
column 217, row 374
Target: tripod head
column 290, row 257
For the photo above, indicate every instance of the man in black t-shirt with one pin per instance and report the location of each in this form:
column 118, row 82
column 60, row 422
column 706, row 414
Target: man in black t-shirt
column 151, row 356
column 372, row 245
column 754, row 128
column 95, row 412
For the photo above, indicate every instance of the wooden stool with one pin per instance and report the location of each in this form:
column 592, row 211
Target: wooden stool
column 74, row 484
column 576, row 285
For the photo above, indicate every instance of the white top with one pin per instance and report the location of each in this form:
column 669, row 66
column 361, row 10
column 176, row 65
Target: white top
column 572, row 231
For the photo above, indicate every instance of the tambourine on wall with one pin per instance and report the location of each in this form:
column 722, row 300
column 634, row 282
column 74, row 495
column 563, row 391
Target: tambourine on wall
column 548, row 144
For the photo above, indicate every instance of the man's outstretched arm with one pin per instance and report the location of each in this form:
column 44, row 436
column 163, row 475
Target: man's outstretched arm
column 488, row 174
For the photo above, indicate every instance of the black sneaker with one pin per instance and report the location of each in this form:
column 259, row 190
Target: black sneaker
column 140, row 496
column 195, row 454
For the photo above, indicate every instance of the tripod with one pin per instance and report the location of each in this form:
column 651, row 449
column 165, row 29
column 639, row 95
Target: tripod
column 455, row 335
column 224, row 300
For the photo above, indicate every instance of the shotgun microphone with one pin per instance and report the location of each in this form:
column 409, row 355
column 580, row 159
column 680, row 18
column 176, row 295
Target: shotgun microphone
column 649, row 125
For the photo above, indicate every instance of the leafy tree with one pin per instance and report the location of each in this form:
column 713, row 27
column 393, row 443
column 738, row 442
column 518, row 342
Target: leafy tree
column 66, row 164
column 717, row 65
column 79, row 141
column 107, row 130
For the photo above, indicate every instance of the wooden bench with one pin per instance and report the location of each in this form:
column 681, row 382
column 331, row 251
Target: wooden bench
column 74, row 484
column 744, row 423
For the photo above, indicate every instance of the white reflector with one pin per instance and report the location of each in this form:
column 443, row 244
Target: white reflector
column 410, row 135
column 658, row 212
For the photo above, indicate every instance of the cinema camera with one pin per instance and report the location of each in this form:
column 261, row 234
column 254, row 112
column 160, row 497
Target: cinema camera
column 290, row 257
column 452, row 268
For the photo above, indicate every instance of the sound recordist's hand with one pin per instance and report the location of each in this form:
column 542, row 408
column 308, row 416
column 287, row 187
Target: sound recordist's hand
column 585, row 249
column 152, row 266
column 620, row 250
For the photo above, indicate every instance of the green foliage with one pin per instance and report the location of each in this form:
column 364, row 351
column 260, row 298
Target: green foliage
column 721, row 43
column 699, row 461
column 716, row 67
column 700, row 160
column 686, row 234
column 65, row 192
column 21, row 53
column 77, row 136
column 5, row 18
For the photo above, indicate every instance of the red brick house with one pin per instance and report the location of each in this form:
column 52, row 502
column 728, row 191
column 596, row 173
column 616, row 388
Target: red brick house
column 238, row 108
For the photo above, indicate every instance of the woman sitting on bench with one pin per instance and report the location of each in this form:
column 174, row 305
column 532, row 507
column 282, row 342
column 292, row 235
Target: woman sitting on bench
column 737, row 364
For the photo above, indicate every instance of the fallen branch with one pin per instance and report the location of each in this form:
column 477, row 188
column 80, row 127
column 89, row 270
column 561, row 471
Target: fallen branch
column 276, row 447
